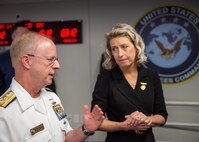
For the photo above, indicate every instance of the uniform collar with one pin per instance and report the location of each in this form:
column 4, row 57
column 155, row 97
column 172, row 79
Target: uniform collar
column 23, row 97
column 117, row 73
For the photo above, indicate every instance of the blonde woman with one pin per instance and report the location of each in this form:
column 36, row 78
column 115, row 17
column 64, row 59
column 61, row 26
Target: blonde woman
column 129, row 94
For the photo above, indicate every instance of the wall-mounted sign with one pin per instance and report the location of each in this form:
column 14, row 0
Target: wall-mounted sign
column 171, row 36
column 62, row 32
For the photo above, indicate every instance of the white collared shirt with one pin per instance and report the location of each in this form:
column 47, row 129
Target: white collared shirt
column 25, row 113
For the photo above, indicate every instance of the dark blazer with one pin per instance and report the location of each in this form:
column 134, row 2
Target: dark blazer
column 117, row 98
column 7, row 73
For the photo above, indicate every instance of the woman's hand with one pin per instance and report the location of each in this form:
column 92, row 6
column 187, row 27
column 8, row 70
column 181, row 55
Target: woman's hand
column 138, row 121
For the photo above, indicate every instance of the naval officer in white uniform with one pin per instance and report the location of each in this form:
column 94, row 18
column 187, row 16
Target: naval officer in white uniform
column 28, row 111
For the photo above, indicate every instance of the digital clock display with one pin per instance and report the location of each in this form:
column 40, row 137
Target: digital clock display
column 61, row 32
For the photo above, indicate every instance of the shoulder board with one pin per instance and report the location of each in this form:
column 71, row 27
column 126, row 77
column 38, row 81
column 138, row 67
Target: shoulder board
column 7, row 98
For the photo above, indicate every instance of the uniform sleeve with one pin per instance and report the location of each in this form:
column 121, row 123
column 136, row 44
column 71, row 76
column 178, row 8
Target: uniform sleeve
column 159, row 102
column 6, row 134
column 64, row 124
column 100, row 93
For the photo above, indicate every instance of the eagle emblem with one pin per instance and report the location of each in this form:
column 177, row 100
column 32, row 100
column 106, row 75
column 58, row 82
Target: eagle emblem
column 167, row 53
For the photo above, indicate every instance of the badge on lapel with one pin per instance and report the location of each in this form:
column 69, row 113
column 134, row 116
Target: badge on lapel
column 143, row 85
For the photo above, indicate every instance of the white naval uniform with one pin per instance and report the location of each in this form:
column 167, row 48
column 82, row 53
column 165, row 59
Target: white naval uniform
column 24, row 113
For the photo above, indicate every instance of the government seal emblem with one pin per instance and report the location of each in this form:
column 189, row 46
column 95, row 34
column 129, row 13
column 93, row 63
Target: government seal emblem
column 171, row 36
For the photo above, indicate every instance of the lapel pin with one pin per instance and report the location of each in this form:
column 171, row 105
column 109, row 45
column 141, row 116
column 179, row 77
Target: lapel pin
column 143, row 85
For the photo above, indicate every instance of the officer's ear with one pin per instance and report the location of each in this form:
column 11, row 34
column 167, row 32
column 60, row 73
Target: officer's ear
column 26, row 61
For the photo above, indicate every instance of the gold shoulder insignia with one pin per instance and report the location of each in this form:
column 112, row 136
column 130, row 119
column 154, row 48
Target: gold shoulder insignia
column 7, row 98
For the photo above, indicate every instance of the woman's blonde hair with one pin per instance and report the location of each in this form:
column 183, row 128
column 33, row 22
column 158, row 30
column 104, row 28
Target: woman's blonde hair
column 123, row 30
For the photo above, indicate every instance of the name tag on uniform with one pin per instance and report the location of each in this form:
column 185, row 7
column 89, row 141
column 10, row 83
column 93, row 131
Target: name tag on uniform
column 37, row 129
